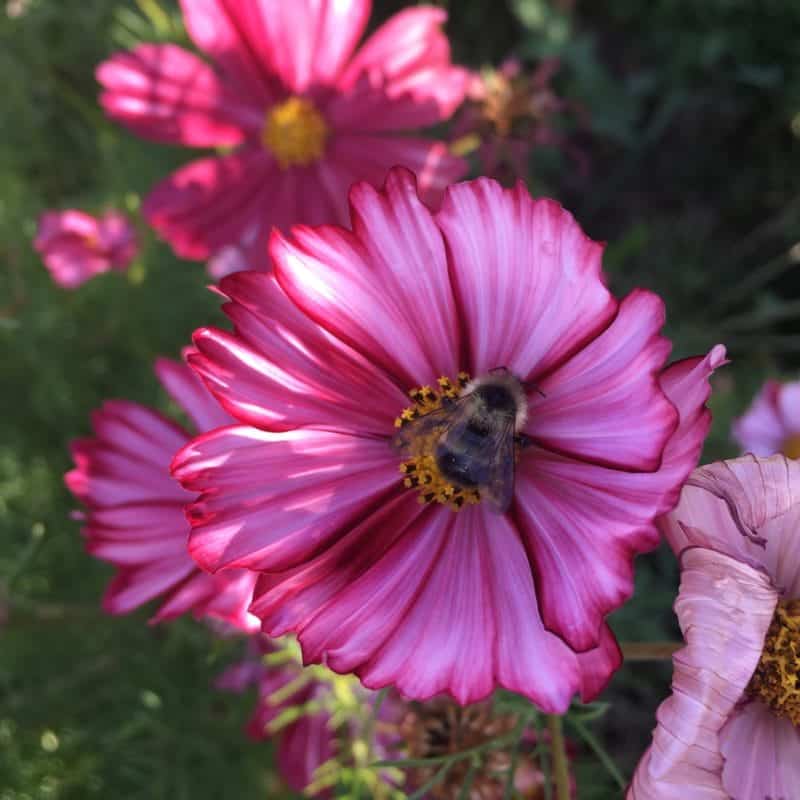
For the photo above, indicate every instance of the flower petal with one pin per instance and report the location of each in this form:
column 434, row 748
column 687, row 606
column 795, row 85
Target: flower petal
column 789, row 406
column 582, row 532
column 303, row 747
column 748, row 507
column 189, row 393
column 724, row 609
column 528, row 280
column 762, row 430
column 213, row 202
column 402, row 76
column 594, row 519
column 300, row 44
column 280, row 370
column 403, row 606
column 135, row 518
column 384, row 289
column 164, row 93
column 762, row 755
column 605, row 403
column 269, row 501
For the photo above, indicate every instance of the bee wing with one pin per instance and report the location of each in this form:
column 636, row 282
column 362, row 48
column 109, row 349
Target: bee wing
column 499, row 487
column 440, row 421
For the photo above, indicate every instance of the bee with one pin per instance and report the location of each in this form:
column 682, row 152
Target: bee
column 473, row 437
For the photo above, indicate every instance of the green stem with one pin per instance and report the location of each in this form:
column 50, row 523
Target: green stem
column 649, row 651
column 560, row 767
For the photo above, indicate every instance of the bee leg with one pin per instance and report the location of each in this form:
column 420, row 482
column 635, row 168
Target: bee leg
column 446, row 401
column 531, row 386
column 522, row 441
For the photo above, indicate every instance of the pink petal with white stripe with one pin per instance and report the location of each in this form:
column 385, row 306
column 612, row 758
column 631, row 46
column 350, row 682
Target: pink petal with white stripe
column 528, row 279
column 164, row 93
column 281, row 370
column 212, row 202
column 184, row 387
column 271, row 500
column 384, row 289
column 407, row 62
column 373, row 614
column 605, row 403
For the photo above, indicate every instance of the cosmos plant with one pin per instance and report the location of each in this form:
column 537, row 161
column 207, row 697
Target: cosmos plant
column 772, row 423
column 304, row 120
column 76, row 246
column 393, row 562
column 731, row 728
column 133, row 515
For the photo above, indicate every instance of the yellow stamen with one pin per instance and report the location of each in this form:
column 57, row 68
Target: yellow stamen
column 295, row 132
column 791, row 446
column 421, row 471
column 776, row 680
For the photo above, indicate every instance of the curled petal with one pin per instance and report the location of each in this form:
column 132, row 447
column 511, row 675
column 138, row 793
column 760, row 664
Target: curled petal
column 724, row 609
column 748, row 507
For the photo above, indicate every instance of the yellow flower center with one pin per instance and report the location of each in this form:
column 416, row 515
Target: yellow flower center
column 791, row 446
column 776, row 680
column 421, row 471
column 295, row 133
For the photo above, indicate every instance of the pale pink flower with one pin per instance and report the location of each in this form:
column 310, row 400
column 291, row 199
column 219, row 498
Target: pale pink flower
column 76, row 246
column 134, row 514
column 305, row 112
column 724, row 734
column 307, row 490
column 772, row 423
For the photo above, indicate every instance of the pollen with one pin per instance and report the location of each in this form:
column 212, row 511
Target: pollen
column 791, row 446
column 295, row 133
column 776, row 680
column 421, row 472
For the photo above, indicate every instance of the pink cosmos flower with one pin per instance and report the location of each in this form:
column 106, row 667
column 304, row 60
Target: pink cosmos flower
column 303, row 745
column 732, row 726
column 772, row 423
column 305, row 113
column 134, row 517
column 307, row 489
column 76, row 246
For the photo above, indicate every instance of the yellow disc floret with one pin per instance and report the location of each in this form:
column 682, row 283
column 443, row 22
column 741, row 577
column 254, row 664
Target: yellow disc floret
column 776, row 680
column 791, row 446
column 421, row 471
column 295, row 133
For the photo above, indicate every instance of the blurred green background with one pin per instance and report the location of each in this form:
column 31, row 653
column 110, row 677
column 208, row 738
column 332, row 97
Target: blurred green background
column 692, row 117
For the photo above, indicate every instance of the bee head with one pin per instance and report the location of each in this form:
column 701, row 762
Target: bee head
column 502, row 393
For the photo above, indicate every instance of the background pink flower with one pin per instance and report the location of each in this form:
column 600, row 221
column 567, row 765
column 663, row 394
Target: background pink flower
column 76, row 246
column 511, row 111
column 307, row 488
column 134, row 514
column 719, row 735
column 772, row 423
column 303, row 745
column 306, row 114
